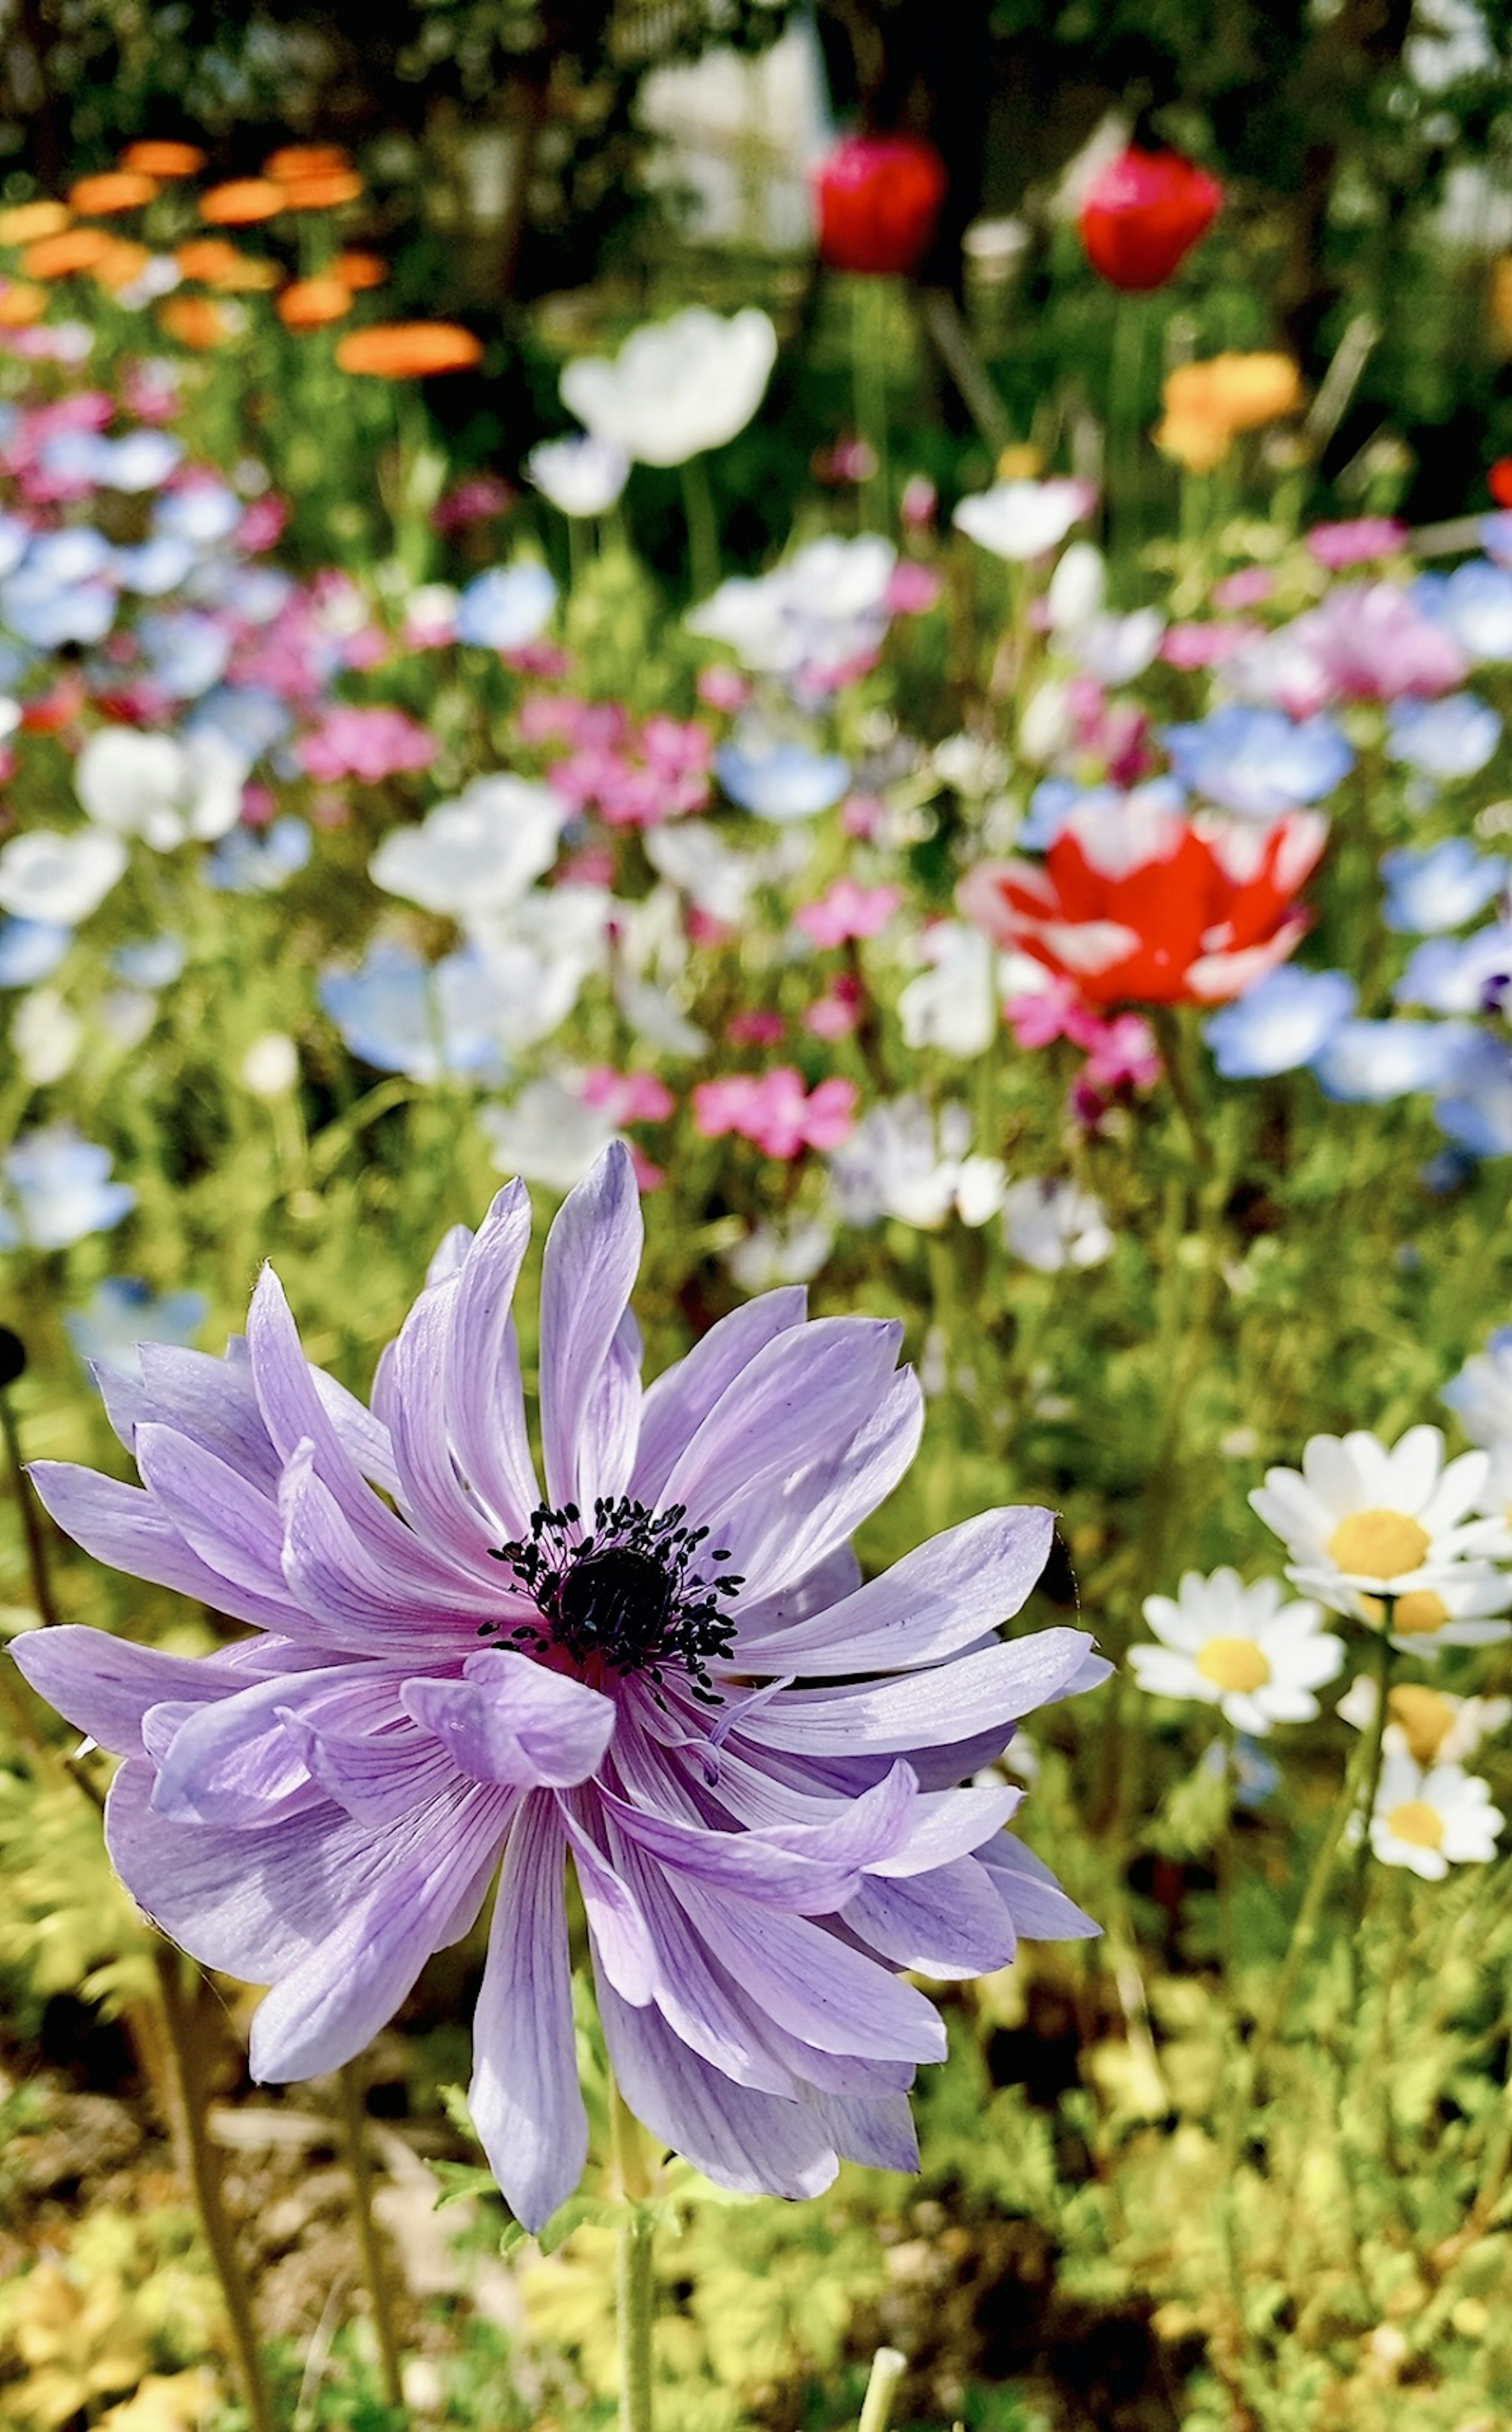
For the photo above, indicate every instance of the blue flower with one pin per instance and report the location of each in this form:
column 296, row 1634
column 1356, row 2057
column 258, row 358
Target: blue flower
column 141, row 461
column 1448, row 739
column 244, row 863
column 1476, row 1111
column 123, row 1312
column 56, row 595
column 250, row 718
column 1439, row 887
column 1369, row 1063
column 1284, row 1022
column 29, row 949
column 157, row 566
column 1459, row 974
column 781, row 781
column 400, row 1015
column 186, row 651
column 1054, row 799
column 506, row 607
column 154, row 963
column 56, row 1189
column 203, row 514
column 1474, row 604
column 1259, row 761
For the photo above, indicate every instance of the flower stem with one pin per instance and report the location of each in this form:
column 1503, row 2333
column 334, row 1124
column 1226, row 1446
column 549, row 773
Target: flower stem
column 868, row 373
column 42, row 1587
column 703, row 527
column 888, row 2367
column 202, row 2169
column 634, row 2281
column 375, row 2272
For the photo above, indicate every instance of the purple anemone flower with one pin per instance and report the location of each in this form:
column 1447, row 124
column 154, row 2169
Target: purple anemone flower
column 664, row 1666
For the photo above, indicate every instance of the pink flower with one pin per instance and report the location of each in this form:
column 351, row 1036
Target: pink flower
column 475, row 501
column 263, row 522
column 755, row 1029
column 861, row 816
column 539, row 659
column 1246, row 590
column 627, row 1097
column 919, row 502
column 772, row 1109
column 1355, row 542
column 848, row 911
column 912, row 588
column 836, row 1014
column 1121, row 1054
column 722, row 688
column 1370, row 641
column 368, row 744
column 1189, row 647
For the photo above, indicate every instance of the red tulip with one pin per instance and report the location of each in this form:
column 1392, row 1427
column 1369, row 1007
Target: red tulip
column 1499, row 480
column 879, row 198
column 1143, row 213
column 1141, row 904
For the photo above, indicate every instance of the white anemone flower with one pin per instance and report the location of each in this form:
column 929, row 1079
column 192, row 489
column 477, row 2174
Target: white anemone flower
column 953, row 1003
column 45, row 875
column 159, row 787
column 581, row 476
column 676, row 387
column 476, row 854
column 1054, row 1224
column 546, row 1133
column 903, row 1161
column 1433, row 1820
column 1239, row 1649
column 1429, row 1725
column 1023, row 519
column 1367, row 1526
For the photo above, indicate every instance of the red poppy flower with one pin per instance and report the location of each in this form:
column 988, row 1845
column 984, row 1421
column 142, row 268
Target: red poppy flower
column 1143, row 213
column 879, row 198
column 1141, row 904
column 1499, row 480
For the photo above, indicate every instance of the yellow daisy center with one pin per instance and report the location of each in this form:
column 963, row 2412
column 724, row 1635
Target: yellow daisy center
column 1419, row 1613
column 1426, row 1718
column 1379, row 1544
column 1233, row 1663
column 1421, row 1826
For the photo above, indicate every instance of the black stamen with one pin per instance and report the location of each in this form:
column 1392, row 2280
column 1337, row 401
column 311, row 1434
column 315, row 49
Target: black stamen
column 627, row 1593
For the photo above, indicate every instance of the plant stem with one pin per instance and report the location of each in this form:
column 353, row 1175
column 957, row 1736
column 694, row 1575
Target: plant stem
column 201, row 2168
column 888, row 2367
column 634, row 2281
column 703, row 527
column 41, row 1588
column 868, row 377
column 375, row 2270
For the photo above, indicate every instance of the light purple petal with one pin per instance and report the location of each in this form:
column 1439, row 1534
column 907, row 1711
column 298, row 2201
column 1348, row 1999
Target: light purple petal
column 880, row 2133
column 414, row 1405
column 923, row 1710
column 806, row 1390
column 809, row 1869
column 325, row 2010
column 350, row 1597
column 212, row 1401
column 947, row 1924
column 949, row 1824
column 592, row 1255
column 103, row 1685
column 510, row 1720
column 935, row 1602
column 812, row 1983
column 776, row 1539
column 525, row 2099
column 232, row 1527
column 752, row 2142
column 1040, row 1910
column 703, row 2004
column 621, row 1936
column 379, row 1779
column 123, row 1525
column 228, row 1762
column 611, row 1420
column 682, row 1396
column 484, row 1404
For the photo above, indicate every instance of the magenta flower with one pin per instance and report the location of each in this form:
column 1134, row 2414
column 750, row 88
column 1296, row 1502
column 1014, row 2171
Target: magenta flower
column 772, row 1109
column 368, row 744
column 848, row 911
column 450, row 1664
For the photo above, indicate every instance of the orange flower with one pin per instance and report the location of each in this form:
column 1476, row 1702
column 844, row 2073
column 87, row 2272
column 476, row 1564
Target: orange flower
column 361, row 270
column 310, row 303
column 113, row 190
column 217, row 263
column 322, row 190
column 305, row 161
column 1207, row 403
column 407, row 349
column 30, row 220
column 21, row 304
column 124, row 262
column 240, row 202
column 157, row 159
column 194, row 321
column 71, row 249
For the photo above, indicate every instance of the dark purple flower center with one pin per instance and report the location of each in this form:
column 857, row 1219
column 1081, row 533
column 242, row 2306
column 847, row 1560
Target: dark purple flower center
column 631, row 1593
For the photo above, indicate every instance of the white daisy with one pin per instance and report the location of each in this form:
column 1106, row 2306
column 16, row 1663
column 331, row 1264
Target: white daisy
column 1239, row 1649
column 1365, row 1525
column 1432, row 1820
column 1429, row 1725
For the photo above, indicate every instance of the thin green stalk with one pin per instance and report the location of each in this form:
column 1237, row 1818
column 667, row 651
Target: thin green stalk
column 703, row 527
column 1375, row 1737
column 375, row 2268
column 42, row 1589
column 201, row 2168
column 888, row 2367
column 634, row 2270
column 869, row 376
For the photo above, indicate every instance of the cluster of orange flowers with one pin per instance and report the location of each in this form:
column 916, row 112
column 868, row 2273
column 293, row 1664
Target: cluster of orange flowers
column 1208, row 404
column 58, row 241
